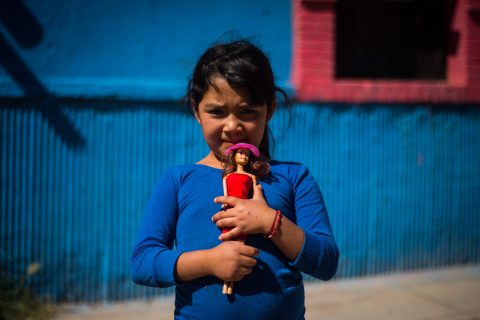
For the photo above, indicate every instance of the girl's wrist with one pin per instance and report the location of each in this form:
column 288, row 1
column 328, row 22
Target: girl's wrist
column 269, row 221
column 193, row 264
column 276, row 225
column 208, row 261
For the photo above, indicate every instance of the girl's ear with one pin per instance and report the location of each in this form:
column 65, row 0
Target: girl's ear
column 272, row 110
column 195, row 111
column 197, row 117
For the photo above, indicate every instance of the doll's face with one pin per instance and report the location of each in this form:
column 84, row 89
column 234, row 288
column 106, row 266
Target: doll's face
column 242, row 156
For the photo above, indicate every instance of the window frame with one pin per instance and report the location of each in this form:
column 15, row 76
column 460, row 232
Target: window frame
column 313, row 73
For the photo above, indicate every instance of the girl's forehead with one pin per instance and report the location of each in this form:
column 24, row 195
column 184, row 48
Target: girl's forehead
column 220, row 90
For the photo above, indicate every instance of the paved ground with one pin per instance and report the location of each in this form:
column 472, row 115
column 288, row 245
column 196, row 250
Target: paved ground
column 452, row 293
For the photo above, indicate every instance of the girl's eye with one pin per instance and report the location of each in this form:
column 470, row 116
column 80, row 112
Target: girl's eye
column 249, row 111
column 215, row 111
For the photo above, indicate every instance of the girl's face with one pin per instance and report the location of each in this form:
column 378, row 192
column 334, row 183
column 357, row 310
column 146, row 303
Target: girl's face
column 227, row 117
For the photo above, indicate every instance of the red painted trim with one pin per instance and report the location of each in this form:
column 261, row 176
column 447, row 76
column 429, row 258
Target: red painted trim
column 313, row 73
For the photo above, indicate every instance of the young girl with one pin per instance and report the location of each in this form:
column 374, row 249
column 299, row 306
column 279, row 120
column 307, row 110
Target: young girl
column 232, row 95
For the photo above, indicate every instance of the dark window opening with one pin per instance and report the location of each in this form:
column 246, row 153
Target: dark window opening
column 391, row 39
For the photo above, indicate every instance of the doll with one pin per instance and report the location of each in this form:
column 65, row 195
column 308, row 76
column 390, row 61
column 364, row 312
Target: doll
column 242, row 166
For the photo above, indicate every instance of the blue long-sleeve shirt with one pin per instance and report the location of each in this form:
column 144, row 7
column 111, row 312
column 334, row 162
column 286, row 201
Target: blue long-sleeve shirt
column 178, row 219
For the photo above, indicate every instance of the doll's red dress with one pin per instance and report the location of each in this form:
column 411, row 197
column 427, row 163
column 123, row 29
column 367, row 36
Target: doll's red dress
column 238, row 185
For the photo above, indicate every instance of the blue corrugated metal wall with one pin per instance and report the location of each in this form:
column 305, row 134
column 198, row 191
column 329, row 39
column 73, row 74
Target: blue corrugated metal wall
column 401, row 185
column 401, row 182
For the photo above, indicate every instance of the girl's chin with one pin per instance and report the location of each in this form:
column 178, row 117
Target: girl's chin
column 224, row 147
column 227, row 145
column 220, row 154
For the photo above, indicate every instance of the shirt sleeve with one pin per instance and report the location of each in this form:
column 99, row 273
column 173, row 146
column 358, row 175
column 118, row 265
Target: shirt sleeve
column 153, row 258
column 319, row 254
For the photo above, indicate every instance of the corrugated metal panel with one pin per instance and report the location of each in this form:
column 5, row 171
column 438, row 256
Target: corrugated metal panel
column 401, row 185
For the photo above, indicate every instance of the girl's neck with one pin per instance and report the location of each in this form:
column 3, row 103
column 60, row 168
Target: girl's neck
column 211, row 160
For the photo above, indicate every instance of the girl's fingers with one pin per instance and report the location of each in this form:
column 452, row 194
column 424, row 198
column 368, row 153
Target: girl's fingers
column 230, row 235
column 242, row 273
column 251, row 252
column 245, row 271
column 231, row 201
column 222, row 215
column 223, row 223
column 249, row 262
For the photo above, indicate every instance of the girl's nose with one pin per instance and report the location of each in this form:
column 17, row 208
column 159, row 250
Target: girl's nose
column 232, row 125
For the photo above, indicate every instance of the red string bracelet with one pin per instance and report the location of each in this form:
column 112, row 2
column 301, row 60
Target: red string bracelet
column 277, row 222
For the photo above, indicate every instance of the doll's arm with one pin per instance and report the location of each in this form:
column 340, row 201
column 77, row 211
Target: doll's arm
column 254, row 180
column 224, row 182
column 225, row 190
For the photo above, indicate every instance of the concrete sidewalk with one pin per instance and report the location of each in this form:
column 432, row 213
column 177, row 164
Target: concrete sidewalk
column 451, row 293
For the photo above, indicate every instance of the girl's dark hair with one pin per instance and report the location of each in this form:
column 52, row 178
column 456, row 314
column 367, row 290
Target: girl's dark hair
column 257, row 166
column 242, row 65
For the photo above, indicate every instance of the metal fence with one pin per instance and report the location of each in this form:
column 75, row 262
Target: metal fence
column 401, row 184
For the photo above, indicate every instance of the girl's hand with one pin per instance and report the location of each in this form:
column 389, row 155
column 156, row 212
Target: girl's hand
column 247, row 216
column 232, row 260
